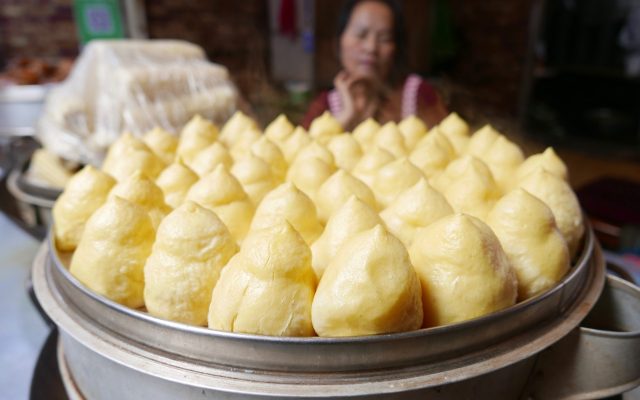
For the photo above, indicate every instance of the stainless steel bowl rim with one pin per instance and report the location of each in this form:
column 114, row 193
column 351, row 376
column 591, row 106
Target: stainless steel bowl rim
column 465, row 325
column 14, row 187
column 184, row 371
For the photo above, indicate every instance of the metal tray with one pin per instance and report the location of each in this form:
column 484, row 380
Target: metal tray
column 424, row 346
column 140, row 356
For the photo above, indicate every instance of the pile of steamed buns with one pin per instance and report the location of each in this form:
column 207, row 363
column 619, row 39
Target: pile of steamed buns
column 291, row 233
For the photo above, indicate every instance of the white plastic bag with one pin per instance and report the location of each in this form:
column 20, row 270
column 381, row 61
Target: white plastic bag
column 132, row 85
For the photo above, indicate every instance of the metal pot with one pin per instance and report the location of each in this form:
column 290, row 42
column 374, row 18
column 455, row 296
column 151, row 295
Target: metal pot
column 20, row 108
column 34, row 202
column 115, row 352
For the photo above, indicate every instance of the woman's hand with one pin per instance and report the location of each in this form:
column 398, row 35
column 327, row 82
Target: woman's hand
column 358, row 99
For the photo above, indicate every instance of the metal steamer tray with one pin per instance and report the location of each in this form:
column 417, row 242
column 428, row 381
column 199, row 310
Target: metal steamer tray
column 34, row 202
column 116, row 352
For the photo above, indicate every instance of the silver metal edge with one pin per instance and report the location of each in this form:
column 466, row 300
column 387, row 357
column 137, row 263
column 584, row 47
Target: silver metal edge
column 626, row 286
column 321, row 354
column 19, row 194
column 576, row 271
column 506, row 353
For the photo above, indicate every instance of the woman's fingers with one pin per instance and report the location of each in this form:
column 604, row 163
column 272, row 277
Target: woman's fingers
column 370, row 109
column 347, row 111
column 341, row 80
column 353, row 110
column 347, row 80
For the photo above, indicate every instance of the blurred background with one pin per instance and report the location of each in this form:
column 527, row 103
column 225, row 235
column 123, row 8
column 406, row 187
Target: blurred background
column 560, row 73
column 565, row 69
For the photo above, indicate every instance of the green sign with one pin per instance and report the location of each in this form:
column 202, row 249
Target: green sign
column 98, row 19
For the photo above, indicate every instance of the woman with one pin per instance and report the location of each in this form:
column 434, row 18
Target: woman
column 373, row 82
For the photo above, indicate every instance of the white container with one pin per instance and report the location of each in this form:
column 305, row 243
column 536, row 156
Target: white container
column 20, row 108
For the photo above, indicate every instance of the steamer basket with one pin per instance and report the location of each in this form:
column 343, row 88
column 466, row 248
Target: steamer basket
column 115, row 352
column 34, row 202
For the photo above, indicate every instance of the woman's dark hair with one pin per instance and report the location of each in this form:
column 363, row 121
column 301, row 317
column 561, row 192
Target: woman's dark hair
column 399, row 69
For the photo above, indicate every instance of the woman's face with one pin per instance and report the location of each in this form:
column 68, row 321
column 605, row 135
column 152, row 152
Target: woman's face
column 367, row 44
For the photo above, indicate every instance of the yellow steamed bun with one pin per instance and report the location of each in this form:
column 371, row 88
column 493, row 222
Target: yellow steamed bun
column 368, row 166
column 558, row 195
column 162, row 143
column 529, row 236
column 192, row 245
column 503, row 158
column 125, row 142
column 144, row 192
column 256, row 177
column 468, row 185
column 235, row 126
column 346, row 151
column 413, row 130
column 309, row 174
column 433, row 153
column 482, row 140
column 271, row 154
column 112, row 251
column 279, row 129
column 369, row 288
column 223, row 194
column 324, row 127
column 456, row 130
column 268, row 287
column 128, row 155
column 354, row 216
column 365, row 133
column 298, row 140
column 393, row 179
column 288, row 203
column 336, row 190
column 210, row 157
column 390, row 138
column 197, row 134
column 242, row 142
column 315, row 150
column 85, row 192
column 463, row 270
column 175, row 181
column 548, row 160
column 503, row 153
column 417, row 207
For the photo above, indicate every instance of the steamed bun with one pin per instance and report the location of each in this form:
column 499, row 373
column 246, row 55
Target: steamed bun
column 353, row 217
column 175, row 181
column 558, row 195
column 417, row 207
column 112, row 251
column 144, row 192
column 369, row 288
column 192, row 245
column 221, row 192
column 337, row 189
column 289, row 203
column 162, row 143
column 196, row 135
column 85, row 192
column 534, row 245
column 463, row 270
column 268, row 287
